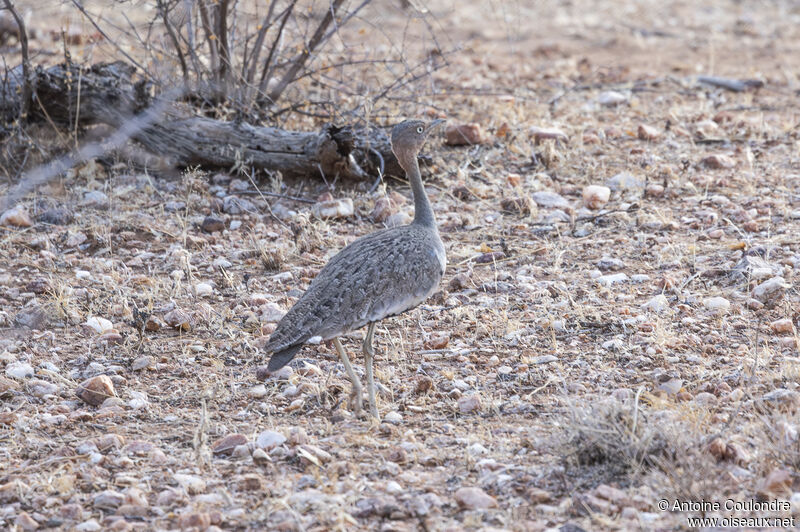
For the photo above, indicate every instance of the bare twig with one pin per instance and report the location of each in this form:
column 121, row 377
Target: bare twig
column 26, row 66
column 162, row 7
column 109, row 39
column 299, row 62
column 266, row 71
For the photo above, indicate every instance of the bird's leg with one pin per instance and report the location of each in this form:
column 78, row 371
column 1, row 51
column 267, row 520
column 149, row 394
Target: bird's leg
column 355, row 394
column 369, row 355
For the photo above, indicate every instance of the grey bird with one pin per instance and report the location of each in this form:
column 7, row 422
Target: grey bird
column 377, row 276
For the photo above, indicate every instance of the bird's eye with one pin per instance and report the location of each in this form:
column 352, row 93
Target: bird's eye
column 420, row 130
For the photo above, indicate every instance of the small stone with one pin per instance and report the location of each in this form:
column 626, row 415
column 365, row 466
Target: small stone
column 393, row 417
column 251, row 482
column 596, row 196
column 539, row 134
column 550, row 200
column 717, row 304
column 718, row 161
column 26, row 522
column 269, row 439
column 179, row 319
column 96, row 390
column 672, row 386
column 226, row 444
column 611, row 279
column 705, row 399
column 783, row 326
column 398, row 219
column 423, row 384
column 646, row 132
column 261, row 457
column 438, row 340
column 89, row 526
column 203, row 289
column 464, row 134
column 212, row 224
column 96, row 200
column 519, row 205
column 237, row 205
column 469, row 403
column 221, row 262
column 610, row 264
column 153, row 324
column 778, row 482
column 108, row 500
column 40, row 388
column 771, row 290
column 624, row 181
column 56, row 216
column 19, row 370
column 194, row 520
column 657, row 304
column 611, row 98
column 191, row 483
column 98, row 325
column 474, row 499
column 338, row 208
column 173, row 206
column 142, row 362
column 16, row 217
column 259, row 391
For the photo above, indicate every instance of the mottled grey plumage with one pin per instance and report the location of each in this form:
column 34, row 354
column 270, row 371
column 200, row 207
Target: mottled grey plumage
column 377, row 276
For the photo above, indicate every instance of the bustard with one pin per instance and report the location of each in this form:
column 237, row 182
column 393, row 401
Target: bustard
column 379, row 275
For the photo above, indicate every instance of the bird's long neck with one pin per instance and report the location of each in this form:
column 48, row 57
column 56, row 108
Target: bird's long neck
column 423, row 212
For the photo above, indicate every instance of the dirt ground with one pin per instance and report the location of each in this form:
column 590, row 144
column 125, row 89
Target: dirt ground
column 586, row 358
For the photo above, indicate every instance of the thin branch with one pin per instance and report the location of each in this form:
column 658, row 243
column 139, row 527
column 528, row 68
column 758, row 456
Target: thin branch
column 162, row 7
column 210, row 37
column 266, row 72
column 108, row 39
column 318, row 38
column 262, row 33
column 222, row 40
column 26, row 65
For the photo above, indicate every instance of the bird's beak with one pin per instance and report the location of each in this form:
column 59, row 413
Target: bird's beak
column 434, row 124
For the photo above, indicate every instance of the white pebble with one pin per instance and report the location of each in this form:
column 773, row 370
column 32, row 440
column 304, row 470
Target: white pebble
column 203, row 289
column 657, row 304
column 99, row 325
column 221, row 262
column 717, row 304
column 595, row 196
column 19, row 370
column 393, row 417
column 614, row 278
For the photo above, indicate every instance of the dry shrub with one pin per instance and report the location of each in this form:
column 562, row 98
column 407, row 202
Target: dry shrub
column 617, row 439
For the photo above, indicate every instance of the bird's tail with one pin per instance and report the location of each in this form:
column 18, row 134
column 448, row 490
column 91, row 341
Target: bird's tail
column 283, row 357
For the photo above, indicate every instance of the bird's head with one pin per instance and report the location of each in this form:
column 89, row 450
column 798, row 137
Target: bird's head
column 408, row 138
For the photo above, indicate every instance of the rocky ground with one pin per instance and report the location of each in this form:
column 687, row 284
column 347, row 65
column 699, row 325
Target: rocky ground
column 617, row 325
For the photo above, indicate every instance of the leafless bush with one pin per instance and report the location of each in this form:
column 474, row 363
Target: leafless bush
column 621, row 438
column 264, row 61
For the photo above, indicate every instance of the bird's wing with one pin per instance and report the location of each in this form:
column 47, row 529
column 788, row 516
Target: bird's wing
column 379, row 275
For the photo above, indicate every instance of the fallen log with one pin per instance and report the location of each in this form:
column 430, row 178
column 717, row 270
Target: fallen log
column 107, row 94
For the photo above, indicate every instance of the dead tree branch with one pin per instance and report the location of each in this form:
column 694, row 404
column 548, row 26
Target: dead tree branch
column 109, row 96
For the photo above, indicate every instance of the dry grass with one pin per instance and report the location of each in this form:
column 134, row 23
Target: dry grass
column 581, row 387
